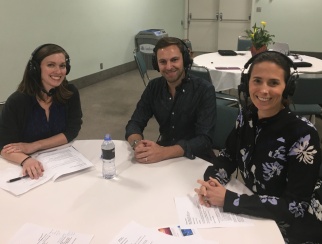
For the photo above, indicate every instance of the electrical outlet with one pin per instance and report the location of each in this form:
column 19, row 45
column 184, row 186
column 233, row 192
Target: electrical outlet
column 101, row 65
column 258, row 9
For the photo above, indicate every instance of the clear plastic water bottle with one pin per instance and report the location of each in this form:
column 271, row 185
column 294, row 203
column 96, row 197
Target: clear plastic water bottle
column 108, row 157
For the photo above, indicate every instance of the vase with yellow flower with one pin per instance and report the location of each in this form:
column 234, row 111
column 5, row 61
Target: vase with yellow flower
column 260, row 38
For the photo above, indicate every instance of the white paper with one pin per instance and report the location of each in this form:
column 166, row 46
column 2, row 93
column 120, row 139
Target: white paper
column 192, row 214
column 137, row 234
column 63, row 161
column 31, row 233
column 56, row 162
column 21, row 186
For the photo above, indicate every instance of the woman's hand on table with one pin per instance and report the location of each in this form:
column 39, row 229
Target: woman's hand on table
column 211, row 192
column 20, row 147
column 33, row 168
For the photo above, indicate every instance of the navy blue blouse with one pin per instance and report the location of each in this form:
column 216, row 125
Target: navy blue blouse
column 24, row 120
column 38, row 127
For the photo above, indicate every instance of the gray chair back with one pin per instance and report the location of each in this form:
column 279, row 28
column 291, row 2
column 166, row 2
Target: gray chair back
column 308, row 91
column 307, row 97
column 141, row 66
column 203, row 72
column 280, row 47
column 200, row 71
column 244, row 43
column 225, row 122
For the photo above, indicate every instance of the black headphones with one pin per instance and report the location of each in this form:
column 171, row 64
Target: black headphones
column 187, row 60
column 34, row 66
column 290, row 83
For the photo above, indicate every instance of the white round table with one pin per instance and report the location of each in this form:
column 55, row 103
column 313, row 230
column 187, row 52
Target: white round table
column 225, row 71
column 84, row 202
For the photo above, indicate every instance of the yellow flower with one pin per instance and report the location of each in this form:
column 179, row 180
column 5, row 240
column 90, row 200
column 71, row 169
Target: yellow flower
column 260, row 36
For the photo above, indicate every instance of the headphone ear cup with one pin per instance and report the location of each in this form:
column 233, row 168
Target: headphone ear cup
column 290, row 86
column 68, row 67
column 243, row 87
column 155, row 62
column 187, row 60
column 34, row 70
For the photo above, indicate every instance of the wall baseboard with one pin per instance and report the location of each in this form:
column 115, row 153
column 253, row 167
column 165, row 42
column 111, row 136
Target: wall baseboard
column 103, row 75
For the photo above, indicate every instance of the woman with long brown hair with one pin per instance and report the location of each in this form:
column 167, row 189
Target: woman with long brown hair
column 44, row 112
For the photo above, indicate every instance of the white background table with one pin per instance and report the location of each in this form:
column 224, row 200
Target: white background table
column 85, row 202
column 230, row 79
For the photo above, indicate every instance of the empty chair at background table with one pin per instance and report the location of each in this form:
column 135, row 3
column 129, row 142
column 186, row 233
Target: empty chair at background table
column 244, row 43
column 307, row 97
column 141, row 66
column 280, row 47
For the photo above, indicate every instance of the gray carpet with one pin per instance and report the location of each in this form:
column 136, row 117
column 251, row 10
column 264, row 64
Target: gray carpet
column 108, row 105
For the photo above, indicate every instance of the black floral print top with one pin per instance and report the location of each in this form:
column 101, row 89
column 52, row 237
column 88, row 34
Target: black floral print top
column 279, row 160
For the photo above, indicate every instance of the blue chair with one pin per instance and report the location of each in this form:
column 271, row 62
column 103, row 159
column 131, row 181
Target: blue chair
column 203, row 72
column 244, row 43
column 307, row 97
column 141, row 66
column 225, row 122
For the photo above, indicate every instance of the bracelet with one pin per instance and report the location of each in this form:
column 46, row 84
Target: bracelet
column 134, row 143
column 23, row 161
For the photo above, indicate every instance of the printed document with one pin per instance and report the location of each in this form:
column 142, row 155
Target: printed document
column 56, row 162
column 192, row 214
column 31, row 233
column 135, row 233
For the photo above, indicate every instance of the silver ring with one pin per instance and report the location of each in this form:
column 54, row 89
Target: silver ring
column 205, row 199
column 146, row 159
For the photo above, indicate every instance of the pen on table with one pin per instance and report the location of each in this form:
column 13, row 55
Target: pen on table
column 18, row 178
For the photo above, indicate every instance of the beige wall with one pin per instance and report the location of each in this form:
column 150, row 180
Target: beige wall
column 91, row 31
column 296, row 22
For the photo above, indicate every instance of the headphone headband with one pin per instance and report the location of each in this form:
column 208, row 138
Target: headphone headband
column 44, row 45
column 37, row 49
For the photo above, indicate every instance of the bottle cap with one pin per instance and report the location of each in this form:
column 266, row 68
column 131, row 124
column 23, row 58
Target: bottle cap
column 107, row 137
